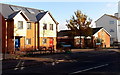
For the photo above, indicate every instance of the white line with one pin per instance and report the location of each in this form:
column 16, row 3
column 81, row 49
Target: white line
column 16, row 68
column 22, row 63
column 22, row 68
column 89, row 69
column 18, row 63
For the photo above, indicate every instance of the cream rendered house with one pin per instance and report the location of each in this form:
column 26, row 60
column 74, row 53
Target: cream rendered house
column 48, row 30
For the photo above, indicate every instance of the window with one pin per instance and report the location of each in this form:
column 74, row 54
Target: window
column 16, row 8
column 111, row 22
column 20, row 9
column 111, row 30
column 44, row 26
column 44, row 40
column 30, row 11
column 51, row 26
column 28, row 25
column 28, row 41
column 20, row 24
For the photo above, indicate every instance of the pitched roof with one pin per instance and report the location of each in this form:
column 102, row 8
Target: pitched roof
column 112, row 16
column 64, row 33
column 67, row 32
column 8, row 12
column 109, row 16
column 40, row 15
column 95, row 30
column 13, row 15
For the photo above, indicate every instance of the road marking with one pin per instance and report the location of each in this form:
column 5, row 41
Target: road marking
column 22, row 68
column 16, row 68
column 20, row 65
column 90, row 68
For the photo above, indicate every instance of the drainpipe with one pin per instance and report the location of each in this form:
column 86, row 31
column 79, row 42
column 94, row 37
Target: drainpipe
column 35, row 37
column 38, row 35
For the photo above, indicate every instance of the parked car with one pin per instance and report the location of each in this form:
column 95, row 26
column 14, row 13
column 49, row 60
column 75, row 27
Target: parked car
column 64, row 46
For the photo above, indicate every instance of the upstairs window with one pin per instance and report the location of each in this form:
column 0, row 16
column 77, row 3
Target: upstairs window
column 20, row 24
column 111, row 22
column 28, row 25
column 28, row 41
column 44, row 26
column 51, row 26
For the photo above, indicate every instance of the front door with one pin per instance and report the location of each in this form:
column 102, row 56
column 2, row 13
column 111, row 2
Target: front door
column 17, row 43
column 51, row 42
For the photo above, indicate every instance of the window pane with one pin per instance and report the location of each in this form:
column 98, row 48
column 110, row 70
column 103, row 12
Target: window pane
column 51, row 26
column 111, row 22
column 44, row 26
column 111, row 30
column 20, row 24
column 28, row 25
column 28, row 41
column 30, row 11
column 14, row 8
column 44, row 40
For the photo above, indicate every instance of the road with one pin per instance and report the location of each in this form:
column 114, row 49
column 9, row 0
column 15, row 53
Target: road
column 91, row 62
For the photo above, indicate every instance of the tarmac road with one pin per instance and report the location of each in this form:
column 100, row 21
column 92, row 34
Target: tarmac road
column 90, row 62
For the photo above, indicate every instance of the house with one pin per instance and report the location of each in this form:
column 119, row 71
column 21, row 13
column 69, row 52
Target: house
column 97, row 33
column 101, row 34
column 2, row 34
column 111, row 24
column 28, row 28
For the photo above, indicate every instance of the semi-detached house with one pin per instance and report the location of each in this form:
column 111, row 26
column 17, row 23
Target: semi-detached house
column 26, row 29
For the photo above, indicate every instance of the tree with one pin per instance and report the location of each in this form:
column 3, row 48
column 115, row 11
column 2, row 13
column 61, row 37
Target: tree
column 79, row 25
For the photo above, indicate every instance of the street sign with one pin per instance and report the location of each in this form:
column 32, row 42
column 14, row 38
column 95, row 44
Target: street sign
column 98, row 43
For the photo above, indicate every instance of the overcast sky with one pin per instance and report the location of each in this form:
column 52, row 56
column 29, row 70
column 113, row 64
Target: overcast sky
column 63, row 11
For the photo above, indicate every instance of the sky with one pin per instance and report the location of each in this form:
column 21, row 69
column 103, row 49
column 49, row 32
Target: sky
column 63, row 11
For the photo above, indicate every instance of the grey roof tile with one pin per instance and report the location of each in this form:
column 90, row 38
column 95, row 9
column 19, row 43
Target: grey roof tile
column 13, row 15
column 8, row 12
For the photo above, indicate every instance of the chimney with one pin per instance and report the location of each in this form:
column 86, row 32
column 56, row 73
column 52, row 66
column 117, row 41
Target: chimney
column 116, row 15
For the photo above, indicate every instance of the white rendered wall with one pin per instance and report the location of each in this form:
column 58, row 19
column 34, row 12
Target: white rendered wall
column 19, row 32
column 47, row 33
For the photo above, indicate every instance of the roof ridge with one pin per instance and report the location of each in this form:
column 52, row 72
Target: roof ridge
column 112, row 16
